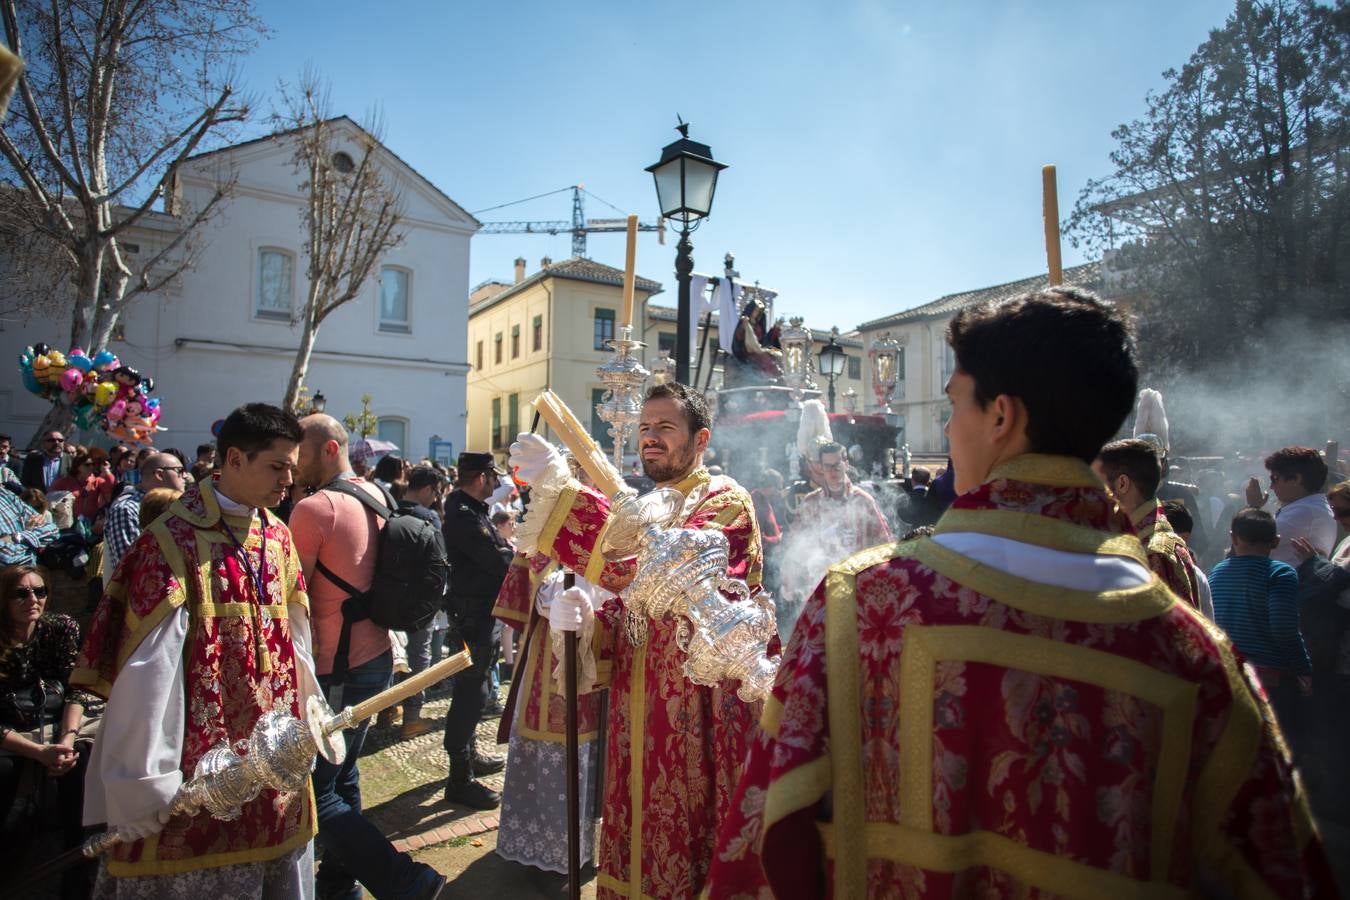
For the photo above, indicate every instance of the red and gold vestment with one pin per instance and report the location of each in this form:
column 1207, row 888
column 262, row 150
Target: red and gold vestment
column 240, row 663
column 674, row 749
column 1168, row 554
column 940, row 727
column 537, row 708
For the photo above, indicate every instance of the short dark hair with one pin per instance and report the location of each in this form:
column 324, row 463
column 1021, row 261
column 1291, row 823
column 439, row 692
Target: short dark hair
column 1303, row 463
column 424, row 476
column 1136, row 460
column 1255, row 526
column 389, row 468
column 5, row 437
column 205, row 448
column 254, row 426
column 1178, row 516
column 500, row 516
column 831, row 447
column 1067, row 355
column 690, row 401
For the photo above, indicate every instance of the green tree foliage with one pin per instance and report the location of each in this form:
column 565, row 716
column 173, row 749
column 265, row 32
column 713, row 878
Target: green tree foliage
column 1228, row 204
column 364, row 423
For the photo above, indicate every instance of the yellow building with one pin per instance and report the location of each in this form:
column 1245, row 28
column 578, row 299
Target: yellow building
column 546, row 330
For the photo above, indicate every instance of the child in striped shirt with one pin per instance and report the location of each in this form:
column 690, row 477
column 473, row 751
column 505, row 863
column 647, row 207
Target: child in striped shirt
column 1256, row 603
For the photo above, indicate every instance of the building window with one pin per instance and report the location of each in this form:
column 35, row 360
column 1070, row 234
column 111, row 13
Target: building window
column 512, row 416
column 497, row 348
column 599, row 427
column 855, row 367
column 537, row 341
column 604, row 327
column 665, row 343
column 393, row 430
column 478, row 356
column 276, row 284
column 394, row 285
column 948, row 362
column 496, row 438
column 515, row 341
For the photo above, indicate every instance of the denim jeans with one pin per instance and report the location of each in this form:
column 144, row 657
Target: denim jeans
column 419, row 657
column 353, row 848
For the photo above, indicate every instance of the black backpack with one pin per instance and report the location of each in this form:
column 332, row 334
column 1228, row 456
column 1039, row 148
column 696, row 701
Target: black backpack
column 411, row 573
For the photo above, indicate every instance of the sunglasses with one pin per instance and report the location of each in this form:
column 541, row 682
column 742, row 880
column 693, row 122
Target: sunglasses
column 178, row 469
column 21, row 593
column 53, row 440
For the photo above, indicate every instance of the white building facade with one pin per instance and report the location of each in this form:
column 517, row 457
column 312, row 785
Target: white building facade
column 225, row 333
column 926, row 359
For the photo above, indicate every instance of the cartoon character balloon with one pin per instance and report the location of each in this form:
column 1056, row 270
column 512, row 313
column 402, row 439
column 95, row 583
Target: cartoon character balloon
column 101, row 391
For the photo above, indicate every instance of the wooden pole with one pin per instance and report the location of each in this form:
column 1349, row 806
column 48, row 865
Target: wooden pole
column 630, row 271
column 1050, row 211
column 573, row 758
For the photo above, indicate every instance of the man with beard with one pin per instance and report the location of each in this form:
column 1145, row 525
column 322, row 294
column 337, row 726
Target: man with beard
column 674, row 748
column 337, row 536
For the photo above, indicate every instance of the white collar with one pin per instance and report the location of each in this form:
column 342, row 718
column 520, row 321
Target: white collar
column 230, row 506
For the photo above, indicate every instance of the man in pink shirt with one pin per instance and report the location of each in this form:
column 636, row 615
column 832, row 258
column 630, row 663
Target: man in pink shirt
column 336, row 535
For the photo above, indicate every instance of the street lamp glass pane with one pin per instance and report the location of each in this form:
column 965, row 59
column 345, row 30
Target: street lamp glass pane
column 700, row 181
column 832, row 360
column 668, row 188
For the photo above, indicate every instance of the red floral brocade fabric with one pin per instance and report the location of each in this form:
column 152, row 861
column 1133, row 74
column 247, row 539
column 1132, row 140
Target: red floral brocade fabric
column 675, row 749
column 942, row 729
column 240, row 664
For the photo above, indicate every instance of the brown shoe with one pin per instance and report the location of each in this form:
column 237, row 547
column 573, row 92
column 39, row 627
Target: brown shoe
column 389, row 717
column 416, row 727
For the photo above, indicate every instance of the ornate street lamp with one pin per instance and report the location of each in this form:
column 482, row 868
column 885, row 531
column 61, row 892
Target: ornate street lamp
column 319, row 403
column 686, row 179
column 796, row 362
column 884, row 357
column 832, row 360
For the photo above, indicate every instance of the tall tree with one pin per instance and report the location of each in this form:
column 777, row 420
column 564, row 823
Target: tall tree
column 114, row 95
column 351, row 213
column 1228, row 204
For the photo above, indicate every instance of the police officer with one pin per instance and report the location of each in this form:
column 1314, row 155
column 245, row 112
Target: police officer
column 479, row 558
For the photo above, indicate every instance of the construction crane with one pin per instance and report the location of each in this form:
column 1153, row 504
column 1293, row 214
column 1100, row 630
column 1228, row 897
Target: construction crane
column 579, row 227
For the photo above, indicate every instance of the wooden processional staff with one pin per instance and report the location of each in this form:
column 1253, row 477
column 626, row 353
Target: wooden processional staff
column 1050, row 211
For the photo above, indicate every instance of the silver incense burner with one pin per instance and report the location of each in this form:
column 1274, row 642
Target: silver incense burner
column 681, row 572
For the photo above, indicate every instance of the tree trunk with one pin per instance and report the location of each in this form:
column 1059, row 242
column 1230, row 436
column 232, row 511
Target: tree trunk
column 61, row 416
column 301, row 366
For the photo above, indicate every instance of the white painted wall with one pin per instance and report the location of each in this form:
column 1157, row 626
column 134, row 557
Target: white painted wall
column 209, row 352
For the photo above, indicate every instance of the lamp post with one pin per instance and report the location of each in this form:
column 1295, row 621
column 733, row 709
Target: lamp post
column 686, row 179
column 319, row 403
column 832, row 361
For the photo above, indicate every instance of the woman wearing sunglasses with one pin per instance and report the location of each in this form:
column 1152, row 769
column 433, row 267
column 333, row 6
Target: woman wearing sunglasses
column 40, row 719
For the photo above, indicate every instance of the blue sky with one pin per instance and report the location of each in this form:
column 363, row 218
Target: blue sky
column 881, row 154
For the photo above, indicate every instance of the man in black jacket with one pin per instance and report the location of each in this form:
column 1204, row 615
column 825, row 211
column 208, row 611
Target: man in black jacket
column 423, row 493
column 42, row 467
column 479, row 558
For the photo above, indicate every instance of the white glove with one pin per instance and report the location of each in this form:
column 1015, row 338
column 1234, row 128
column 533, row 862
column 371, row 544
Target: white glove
column 570, row 610
column 144, row 828
column 536, row 461
column 544, row 599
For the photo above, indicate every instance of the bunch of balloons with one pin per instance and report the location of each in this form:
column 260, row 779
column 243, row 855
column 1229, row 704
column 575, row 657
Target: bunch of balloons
column 103, row 393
